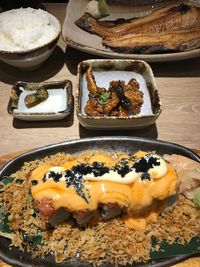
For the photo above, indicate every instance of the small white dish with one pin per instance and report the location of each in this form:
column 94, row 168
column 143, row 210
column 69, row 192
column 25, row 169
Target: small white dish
column 104, row 72
column 57, row 106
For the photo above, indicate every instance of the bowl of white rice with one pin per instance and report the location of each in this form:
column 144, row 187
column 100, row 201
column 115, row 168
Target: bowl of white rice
column 27, row 37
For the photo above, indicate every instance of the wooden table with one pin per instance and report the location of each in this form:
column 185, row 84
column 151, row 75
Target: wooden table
column 178, row 84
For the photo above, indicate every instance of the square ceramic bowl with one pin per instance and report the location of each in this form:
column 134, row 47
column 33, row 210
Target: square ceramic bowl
column 104, row 71
column 58, row 105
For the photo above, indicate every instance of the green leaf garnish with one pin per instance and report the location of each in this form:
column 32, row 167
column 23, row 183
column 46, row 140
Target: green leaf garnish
column 19, row 181
column 4, row 223
column 104, row 98
column 103, row 8
column 175, row 249
column 196, row 199
column 6, row 180
column 36, row 239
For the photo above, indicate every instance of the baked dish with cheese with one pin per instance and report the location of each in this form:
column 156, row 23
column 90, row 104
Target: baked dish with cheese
column 97, row 206
column 135, row 185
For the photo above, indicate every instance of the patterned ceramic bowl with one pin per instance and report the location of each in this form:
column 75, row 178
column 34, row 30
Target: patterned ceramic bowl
column 32, row 58
column 105, row 71
column 58, row 105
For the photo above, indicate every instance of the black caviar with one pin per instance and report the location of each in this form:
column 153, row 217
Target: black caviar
column 99, row 169
column 75, row 179
column 145, row 176
column 56, row 176
column 146, row 163
column 74, row 176
column 34, row 182
column 122, row 167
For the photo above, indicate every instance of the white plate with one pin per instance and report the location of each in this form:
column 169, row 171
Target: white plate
column 87, row 42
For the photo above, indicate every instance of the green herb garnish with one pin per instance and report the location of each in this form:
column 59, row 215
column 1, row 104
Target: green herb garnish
column 103, row 8
column 104, row 98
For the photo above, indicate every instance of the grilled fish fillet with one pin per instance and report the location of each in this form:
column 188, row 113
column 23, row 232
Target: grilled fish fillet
column 184, row 40
column 169, row 29
column 171, row 18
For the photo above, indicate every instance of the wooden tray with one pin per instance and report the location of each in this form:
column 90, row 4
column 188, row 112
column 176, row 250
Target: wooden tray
column 194, row 262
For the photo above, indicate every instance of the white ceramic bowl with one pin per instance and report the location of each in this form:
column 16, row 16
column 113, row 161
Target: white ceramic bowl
column 106, row 70
column 31, row 59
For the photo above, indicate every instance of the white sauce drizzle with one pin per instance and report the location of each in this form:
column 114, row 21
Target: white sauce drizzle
column 158, row 171
column 113, row 176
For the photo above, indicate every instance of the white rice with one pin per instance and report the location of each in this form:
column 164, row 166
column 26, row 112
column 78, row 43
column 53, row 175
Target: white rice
column 25, row 28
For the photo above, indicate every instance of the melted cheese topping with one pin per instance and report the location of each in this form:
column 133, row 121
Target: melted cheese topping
column 113, row 176
column 130, row 191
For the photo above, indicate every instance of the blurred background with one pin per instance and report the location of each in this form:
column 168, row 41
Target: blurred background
column 9, row 4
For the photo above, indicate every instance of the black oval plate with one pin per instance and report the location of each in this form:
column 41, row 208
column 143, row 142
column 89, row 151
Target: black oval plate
column 127, row 144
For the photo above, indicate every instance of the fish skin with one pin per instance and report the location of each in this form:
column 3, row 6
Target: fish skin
column 175, row 28
column 177, row 41
column 170, row 18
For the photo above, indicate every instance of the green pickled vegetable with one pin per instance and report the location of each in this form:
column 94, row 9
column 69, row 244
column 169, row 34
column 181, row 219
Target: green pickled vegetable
column 42, row 94
column 103, row 8
column 36, row 98
column 196, row 199
column 31, row 101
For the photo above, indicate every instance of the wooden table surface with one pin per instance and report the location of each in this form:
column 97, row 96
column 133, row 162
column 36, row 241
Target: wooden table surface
column 178, row 84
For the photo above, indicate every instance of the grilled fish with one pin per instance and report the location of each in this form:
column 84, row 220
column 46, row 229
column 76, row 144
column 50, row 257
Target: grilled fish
column 172, row 28
column 177, row 41
column 171, row 18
